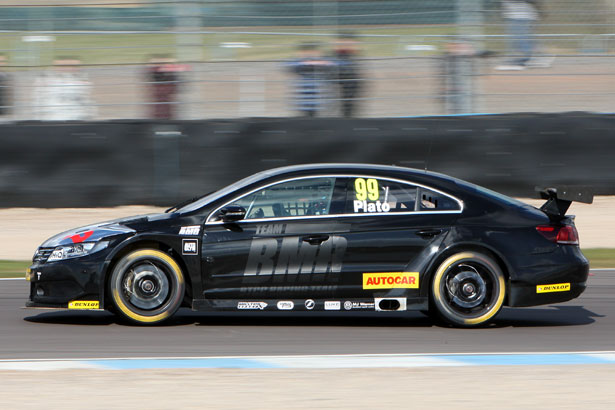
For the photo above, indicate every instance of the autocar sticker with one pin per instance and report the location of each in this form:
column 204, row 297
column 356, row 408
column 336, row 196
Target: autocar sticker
column 391, row 280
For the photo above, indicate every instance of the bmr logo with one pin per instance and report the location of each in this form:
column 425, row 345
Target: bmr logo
column 270, row 256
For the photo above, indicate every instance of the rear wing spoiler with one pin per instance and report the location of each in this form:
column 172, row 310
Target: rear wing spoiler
column 559, row 198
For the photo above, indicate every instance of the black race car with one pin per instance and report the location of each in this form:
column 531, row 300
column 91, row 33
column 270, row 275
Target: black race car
column 327, row 237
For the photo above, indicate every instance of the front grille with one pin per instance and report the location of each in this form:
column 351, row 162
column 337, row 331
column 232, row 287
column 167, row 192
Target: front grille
column 42, row 254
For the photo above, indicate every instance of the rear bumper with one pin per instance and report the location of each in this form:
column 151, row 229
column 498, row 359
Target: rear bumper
column 551, row 283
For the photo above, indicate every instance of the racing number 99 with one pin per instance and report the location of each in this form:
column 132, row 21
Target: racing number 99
column 365, row 189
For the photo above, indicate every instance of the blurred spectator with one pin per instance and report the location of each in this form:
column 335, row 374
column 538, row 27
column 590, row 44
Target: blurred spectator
column 312, row 84
column 5, row 89
column 521, row 17
column 347, row 72
column 163, row 79
column 63, row 93
column 459, row 66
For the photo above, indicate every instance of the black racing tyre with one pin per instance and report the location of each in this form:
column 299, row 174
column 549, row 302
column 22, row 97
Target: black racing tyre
column 468, row 289
column 146, row 286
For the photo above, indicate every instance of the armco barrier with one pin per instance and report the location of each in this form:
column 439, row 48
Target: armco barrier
column 139, row 162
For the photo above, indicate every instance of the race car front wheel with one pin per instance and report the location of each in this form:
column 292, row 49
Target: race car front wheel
column 468, row 289
column 146, row 286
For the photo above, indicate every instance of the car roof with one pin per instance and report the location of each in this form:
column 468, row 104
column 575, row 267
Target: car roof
column 333, row 168
column 462, row 189
column 351, row 167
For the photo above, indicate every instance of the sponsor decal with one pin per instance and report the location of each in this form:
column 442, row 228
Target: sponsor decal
column 190, row 230
column 370, row 207
column 285, row 290
column 290, row 255
column 251, row 305
column 286, row 305
column 28, row 274
column 38, row 275
column 275, row 229
column 78, row 238
column 391, row 280
column 556, row 287
column 309, row 304
column 366, row 189
column 402, row 303
column 359, row 305
column 190, row 246
column 84, row 304
column 332, row 305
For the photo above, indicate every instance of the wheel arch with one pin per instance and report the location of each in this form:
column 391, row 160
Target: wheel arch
column 460, row 247
column 142, row 243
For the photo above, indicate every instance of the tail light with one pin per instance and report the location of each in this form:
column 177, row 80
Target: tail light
column 564, row 235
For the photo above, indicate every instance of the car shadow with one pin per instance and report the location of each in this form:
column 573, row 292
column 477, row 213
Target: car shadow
column 74, row 318
column 552, row 316
column 546, row 316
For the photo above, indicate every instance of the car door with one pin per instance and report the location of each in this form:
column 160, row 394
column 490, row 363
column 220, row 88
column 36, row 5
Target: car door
column 288, row 245
column 395, row 228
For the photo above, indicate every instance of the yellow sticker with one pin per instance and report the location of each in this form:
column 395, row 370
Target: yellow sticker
column 29, row 274
column 557, row 287
column 391, row 280
column 366, row 189
column 84, row 304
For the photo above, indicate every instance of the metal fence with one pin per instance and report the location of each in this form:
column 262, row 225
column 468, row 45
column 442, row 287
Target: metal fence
column 104, row 59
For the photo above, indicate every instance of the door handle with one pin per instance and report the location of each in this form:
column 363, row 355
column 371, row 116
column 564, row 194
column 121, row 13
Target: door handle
column 315, row 239
column 428, row 233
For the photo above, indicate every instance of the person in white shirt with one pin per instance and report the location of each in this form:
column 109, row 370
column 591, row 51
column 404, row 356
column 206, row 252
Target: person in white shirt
column 63, row 93
column 521, row 17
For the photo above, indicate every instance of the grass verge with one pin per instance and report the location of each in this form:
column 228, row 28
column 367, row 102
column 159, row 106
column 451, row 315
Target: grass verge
column 598, row 258
column 13, row 269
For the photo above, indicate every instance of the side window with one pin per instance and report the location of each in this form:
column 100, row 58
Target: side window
column 300, row 197
column 374, row 195
column 434, row 201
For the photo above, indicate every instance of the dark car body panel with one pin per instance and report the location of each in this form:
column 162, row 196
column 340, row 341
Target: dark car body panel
column 325, row 257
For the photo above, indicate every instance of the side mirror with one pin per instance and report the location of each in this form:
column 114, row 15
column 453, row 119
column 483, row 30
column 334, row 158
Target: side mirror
column 232, row 213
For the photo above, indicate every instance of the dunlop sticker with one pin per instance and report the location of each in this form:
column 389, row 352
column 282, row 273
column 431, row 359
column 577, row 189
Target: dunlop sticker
column 557, row 287
column 84, row 304
column 391, row 280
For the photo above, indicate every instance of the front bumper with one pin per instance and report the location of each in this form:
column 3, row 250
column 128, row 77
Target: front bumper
column 57, row 284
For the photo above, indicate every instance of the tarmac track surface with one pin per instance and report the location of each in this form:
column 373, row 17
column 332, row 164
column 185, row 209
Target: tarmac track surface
column 584, row 324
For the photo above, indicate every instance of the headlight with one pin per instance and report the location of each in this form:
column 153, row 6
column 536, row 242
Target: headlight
column 76, row 250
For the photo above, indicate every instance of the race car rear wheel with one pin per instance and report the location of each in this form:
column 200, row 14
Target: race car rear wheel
column 146, row 286
column 468, row 289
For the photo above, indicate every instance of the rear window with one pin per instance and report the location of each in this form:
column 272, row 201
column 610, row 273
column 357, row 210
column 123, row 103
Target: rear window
column 435, row 201
column 493, row 194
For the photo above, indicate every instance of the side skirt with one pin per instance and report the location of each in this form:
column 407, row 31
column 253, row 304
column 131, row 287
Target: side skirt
column 317, row 305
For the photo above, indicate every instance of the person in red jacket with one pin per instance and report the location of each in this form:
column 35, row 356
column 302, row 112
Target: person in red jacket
column 163, row 79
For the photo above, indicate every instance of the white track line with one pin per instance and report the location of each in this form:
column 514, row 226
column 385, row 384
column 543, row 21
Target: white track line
column 349, row 355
